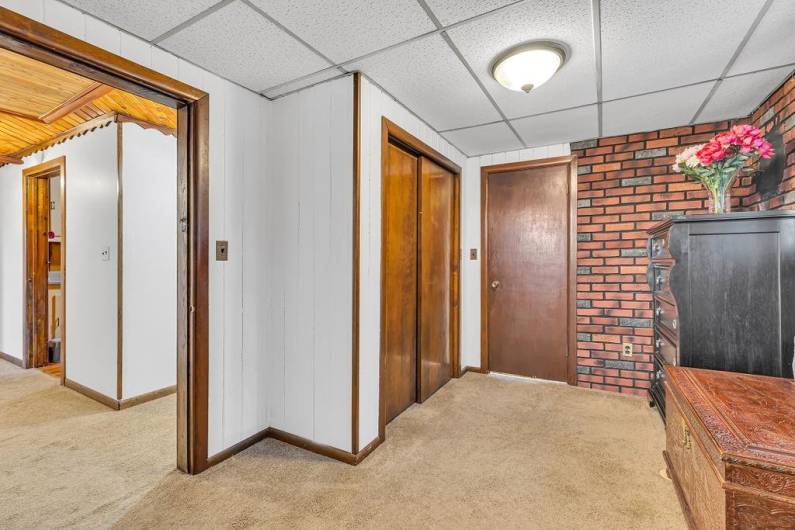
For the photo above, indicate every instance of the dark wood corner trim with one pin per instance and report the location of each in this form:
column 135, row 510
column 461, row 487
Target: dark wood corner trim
column 93, row 394
column 13, row 360
column 149, row 396
column 485, row 172
column 50, row 46
column 357, row 141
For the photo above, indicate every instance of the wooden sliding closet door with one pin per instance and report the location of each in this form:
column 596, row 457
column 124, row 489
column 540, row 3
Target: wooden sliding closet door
column 435, row 275
column 399, row 283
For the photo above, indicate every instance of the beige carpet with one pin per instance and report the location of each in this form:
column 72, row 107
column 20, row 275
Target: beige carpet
column 68, row 461
column 481, row 453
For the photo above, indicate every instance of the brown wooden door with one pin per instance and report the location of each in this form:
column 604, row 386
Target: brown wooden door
column 435, row 275
column 399, row 280
column 37, row 212
column 527, row 270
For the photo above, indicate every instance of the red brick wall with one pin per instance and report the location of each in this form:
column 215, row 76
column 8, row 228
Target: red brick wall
column 777, row 113
column 626, row 185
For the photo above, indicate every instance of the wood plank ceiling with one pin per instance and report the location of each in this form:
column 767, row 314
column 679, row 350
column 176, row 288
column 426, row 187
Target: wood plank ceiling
column 40, row 103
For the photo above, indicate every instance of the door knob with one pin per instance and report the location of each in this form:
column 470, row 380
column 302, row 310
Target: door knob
column 495, row 284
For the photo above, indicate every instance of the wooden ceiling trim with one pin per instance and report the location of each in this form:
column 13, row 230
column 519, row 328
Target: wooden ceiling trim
column 83, row 128
column 4, row 159
column 82, row 99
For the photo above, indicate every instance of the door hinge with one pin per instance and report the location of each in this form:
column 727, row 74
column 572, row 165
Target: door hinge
column 183, row 224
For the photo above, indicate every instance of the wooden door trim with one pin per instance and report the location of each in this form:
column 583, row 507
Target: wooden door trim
column 51, row 169
column 43, row 43
column 393, row 133
column 485, row 173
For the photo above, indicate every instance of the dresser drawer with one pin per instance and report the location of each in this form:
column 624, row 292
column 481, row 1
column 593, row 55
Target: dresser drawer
column 666, row 316
column 692, row 469
column 658, row 246
column 660, row 281
column 665, row 348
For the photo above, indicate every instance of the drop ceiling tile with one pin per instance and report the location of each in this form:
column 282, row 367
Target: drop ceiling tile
column 559, row 127
column 451, row 11
column 427, row 77
column 303, row 82
column 567, row 21
column 484, row 139
column 739, row 96
column 238, row 43
column 145, row 18
column 649, row 46
column 773, row 41
column 345, row 29
column 670, row 108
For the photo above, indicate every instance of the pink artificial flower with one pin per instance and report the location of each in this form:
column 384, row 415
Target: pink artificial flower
column 765, row 150
column 710, row 153
column 726, row 138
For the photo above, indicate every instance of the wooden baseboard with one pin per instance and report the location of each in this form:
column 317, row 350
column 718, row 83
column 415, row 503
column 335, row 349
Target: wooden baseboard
column 474, row 369
column 149, row 396
column 297, row 441
column 238, row 447
column 119, row 404
column 93, row 394
column 12, row 359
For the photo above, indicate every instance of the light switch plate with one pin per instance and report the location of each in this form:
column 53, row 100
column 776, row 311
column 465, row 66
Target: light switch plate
column 222, row 251
column 473, row 254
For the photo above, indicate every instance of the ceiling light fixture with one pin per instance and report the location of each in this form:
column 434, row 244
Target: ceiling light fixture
column 528, row 66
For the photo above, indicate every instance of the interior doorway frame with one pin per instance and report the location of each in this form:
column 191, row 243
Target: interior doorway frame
column 571, row 295
column 55, row 168
column 38, row 41
column 394, row 134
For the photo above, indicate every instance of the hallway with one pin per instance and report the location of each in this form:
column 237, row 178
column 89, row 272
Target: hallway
column 553, row 462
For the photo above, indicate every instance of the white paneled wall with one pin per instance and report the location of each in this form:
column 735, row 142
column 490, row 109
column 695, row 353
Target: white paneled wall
column 470, row 238
column 375, row 104
column 238, row 400
column 149, row 255
column 91, row 281
column 12, row 262
column 308, row 268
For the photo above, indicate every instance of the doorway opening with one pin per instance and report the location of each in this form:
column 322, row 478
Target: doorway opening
column 44, row 235
column 420, row 272
column 107, row 72
column 528, row 272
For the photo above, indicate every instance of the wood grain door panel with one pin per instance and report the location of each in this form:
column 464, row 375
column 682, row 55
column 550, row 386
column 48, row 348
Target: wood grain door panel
column 527, row 224
column 436, row 223
column 400, row 280
column 37, row 212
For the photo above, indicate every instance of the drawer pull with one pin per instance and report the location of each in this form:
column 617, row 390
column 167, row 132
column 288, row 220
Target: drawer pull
column 659, row 343
column 686, row 438
column 658, row 311
column 673, row 323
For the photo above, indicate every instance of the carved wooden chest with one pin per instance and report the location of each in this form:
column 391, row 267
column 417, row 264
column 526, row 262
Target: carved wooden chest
column 730, row 448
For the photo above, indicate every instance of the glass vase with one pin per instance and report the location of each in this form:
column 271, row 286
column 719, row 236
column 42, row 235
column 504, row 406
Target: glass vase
column 721, row 197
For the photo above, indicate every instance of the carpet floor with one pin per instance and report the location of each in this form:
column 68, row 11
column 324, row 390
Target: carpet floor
column 483, row 452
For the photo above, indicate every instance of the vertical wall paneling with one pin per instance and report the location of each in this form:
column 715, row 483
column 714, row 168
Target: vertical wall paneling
column 309, row 215
column 149, row 226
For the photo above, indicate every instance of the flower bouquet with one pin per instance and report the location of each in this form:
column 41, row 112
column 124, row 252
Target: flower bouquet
column 715, row 164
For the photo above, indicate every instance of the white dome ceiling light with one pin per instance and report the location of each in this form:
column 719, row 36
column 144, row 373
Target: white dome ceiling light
column 528, row 66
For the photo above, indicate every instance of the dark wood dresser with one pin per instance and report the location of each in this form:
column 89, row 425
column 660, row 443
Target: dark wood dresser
column 730, row 448
column 724, row 294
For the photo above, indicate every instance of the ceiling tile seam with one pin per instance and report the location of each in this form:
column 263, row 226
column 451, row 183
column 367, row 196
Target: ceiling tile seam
column 759, row 16
column 181, row 58
column 343, row 73
column 596, row 21
column 612, row 100
column 191, row 21
column 408, row 109
column 287, row 30
column 399, row 44
column 428, row 11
